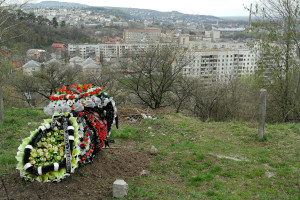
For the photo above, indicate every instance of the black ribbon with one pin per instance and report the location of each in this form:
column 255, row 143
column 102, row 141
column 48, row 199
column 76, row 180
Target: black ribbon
column 53, row 123
column 67, row 147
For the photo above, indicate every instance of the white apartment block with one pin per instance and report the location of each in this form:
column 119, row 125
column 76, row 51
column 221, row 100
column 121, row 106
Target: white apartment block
column 220, row 65
column 104, row 50
column 212, row 62
column 150, row 35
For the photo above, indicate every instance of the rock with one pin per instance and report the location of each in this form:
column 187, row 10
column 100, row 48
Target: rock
column 153, row 150
column 144, row 116
column 145, row 173
column 120, row 188
column 269, row 174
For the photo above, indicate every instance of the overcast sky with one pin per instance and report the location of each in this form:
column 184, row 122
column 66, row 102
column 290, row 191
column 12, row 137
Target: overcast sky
column 201, row 7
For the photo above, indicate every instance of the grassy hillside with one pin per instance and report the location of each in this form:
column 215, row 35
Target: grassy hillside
column 196, row 160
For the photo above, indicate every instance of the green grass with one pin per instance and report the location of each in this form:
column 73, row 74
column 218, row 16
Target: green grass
column 188, row 166
column 191, row 162
column 17, row 125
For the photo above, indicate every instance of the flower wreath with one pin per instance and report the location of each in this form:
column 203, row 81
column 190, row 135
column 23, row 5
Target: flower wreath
column 43, row 155
column 82, row 117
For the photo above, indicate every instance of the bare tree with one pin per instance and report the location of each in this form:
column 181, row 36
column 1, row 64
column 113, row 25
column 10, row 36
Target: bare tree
column 151, row 72
column 182, row 91
column 54, row 75
column 25, row 85
column 106, row 77
column 209, row 102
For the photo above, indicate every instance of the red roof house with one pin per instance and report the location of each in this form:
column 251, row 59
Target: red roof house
column 58, row 46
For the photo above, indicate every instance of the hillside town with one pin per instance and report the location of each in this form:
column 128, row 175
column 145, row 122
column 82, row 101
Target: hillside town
column 217, row 57
column 139, row 100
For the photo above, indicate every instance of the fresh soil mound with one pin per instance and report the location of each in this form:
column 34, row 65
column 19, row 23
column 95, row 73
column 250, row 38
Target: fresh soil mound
column 93, row 181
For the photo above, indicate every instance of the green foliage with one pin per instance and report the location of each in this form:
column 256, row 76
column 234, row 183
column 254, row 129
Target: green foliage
column 42, row 32
column 277, row 28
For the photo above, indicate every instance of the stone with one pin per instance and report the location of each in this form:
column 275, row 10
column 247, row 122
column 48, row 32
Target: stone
column 144, row 116
column 145, row 173
column 120, row 188
column 153, row 150
column 269, row 174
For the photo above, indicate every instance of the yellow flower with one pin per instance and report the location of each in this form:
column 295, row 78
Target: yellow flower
column 43, row 159
column 62, row 131
column 46, row 150
column 43, row 139
column 30, row 158
column 58, row 157
column 34, row 155
column 41, row 153
column 45, row 144
column 55, row 134
column 33, row 150
column 49, row 145
column 49, row 134
column 55, row 128
column 52, row 139
column 39, row 144
column 32, row 162
column 47, row 155
column 48, row 139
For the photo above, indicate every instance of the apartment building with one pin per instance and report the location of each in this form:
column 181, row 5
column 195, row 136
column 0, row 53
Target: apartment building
column 105, row 50
column 220, row 65
column 150, row 35
column 212, row 61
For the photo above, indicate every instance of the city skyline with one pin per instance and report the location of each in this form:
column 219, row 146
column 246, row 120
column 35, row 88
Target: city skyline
column 213, row 7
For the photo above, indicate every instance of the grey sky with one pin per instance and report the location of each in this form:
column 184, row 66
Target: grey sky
column 202, row 7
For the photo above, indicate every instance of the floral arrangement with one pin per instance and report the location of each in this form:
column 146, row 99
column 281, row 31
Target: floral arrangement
column 82, row 117
column 41, row 156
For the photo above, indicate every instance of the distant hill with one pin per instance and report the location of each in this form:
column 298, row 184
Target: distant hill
column 173, row 15
column 56, row 4
column 134, row 13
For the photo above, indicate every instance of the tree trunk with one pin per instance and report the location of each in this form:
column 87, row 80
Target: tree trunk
column 1, row 106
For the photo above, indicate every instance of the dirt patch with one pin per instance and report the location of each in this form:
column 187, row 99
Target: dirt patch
column 93, row 181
